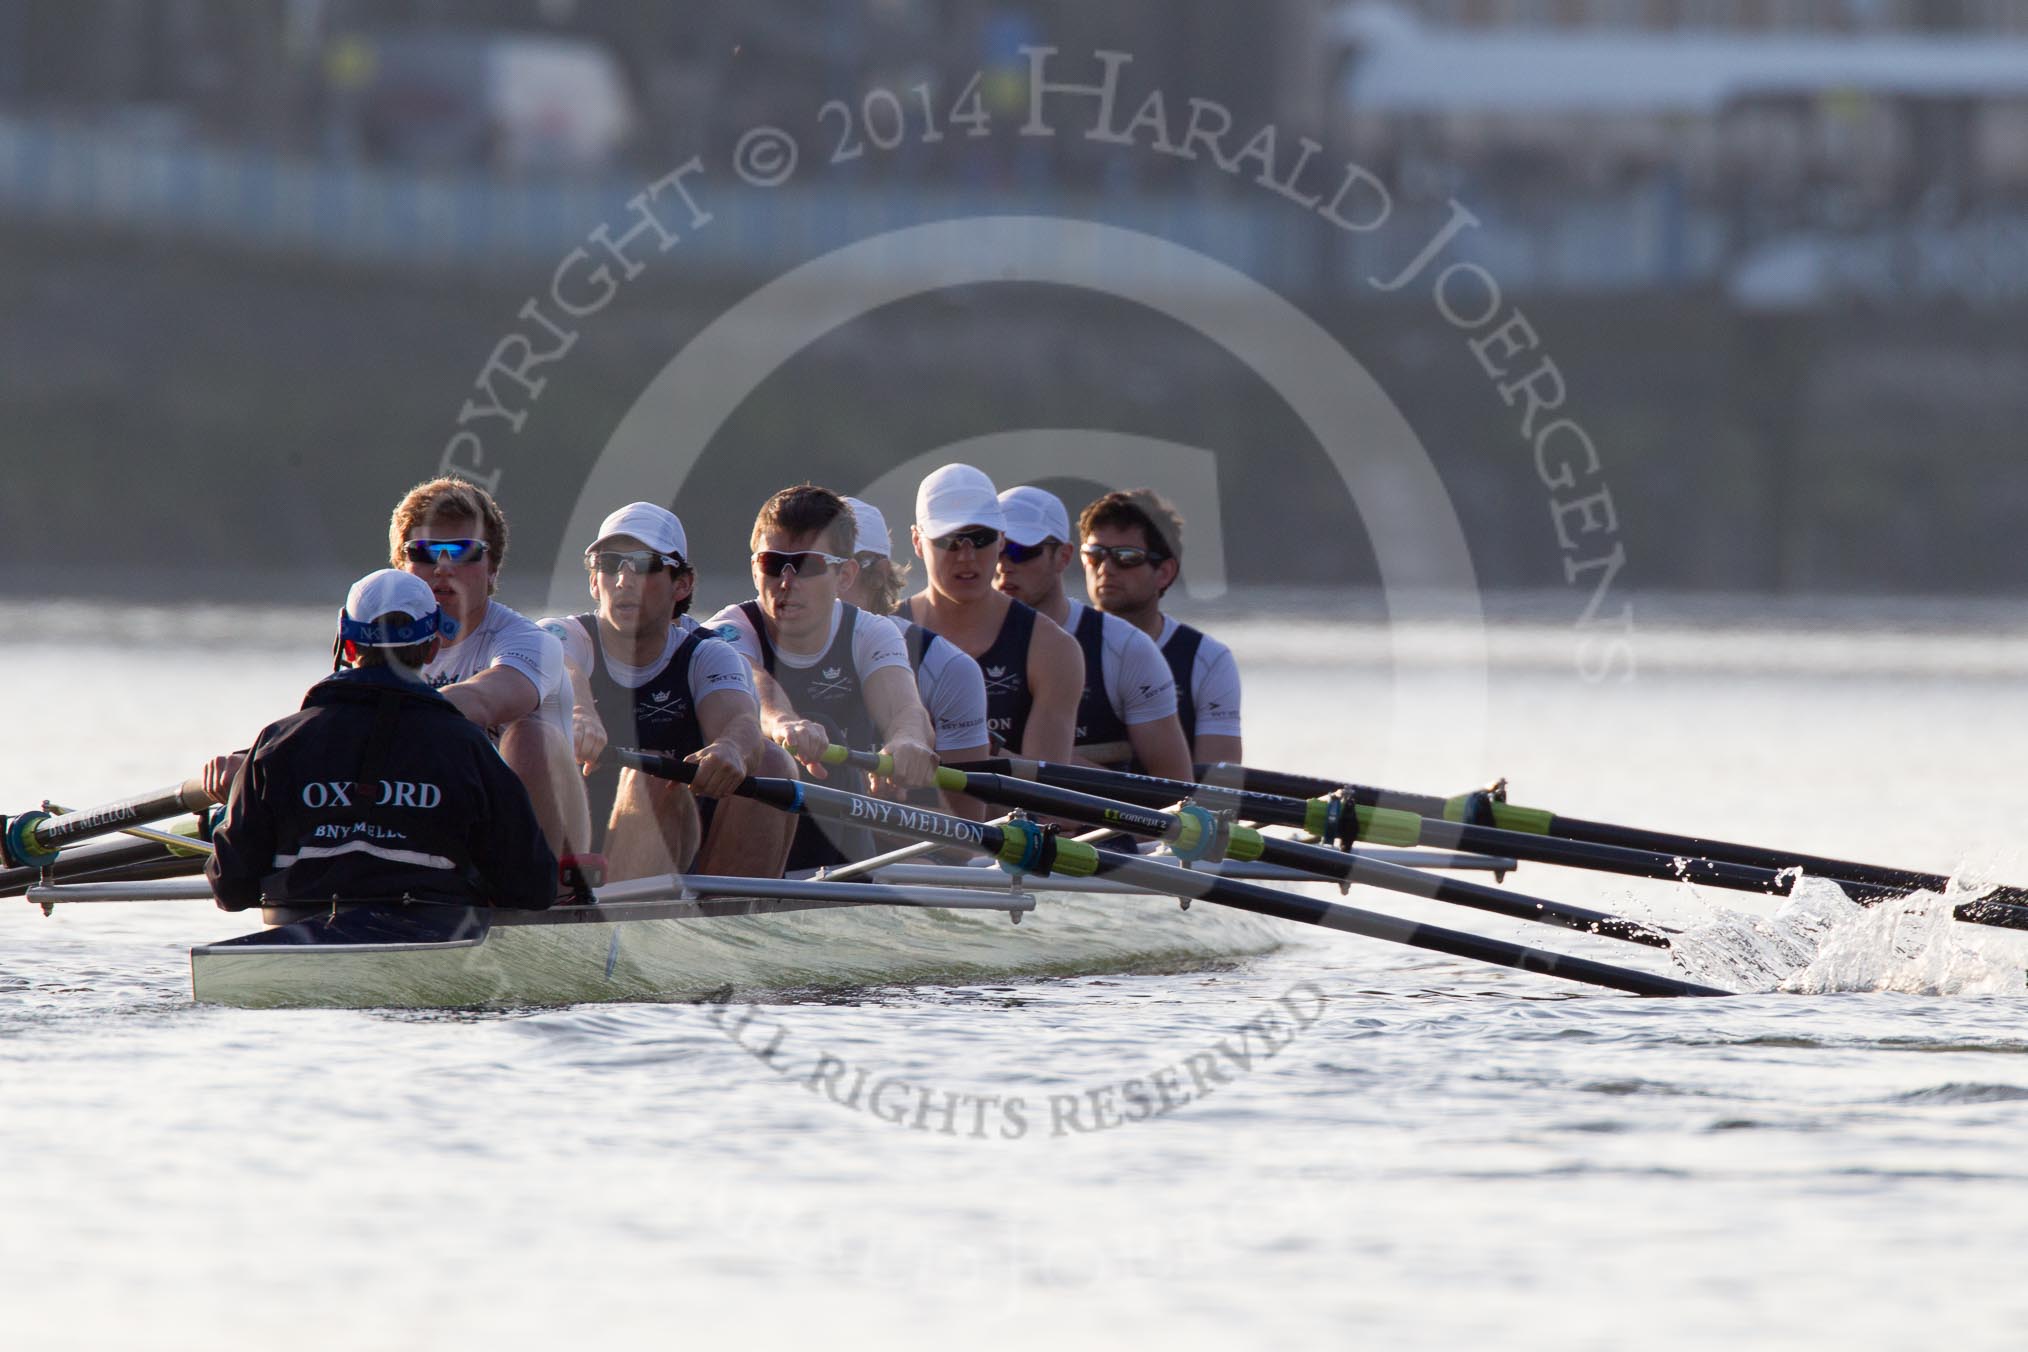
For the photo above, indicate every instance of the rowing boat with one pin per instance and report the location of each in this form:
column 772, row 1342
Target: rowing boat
column 1118, row 910
column 691, row 938
column 690, row 949
column 699, row 938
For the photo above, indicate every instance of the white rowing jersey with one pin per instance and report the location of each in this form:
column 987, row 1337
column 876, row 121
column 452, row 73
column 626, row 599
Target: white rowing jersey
column 507, row 638
column 1138, row 683
column 953, row 689
column 1214, row 684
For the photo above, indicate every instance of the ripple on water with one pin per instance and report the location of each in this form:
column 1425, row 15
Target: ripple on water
column 1952, row 1094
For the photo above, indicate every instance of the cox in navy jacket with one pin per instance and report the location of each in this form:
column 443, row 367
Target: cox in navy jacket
column 378, row 788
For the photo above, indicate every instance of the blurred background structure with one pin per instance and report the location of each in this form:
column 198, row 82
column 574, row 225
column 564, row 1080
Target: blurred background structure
column 252, row 256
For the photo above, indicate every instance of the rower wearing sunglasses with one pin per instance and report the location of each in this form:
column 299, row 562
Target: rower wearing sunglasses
column 1034, row 670
column 495, row 666
column 1133, row 553
column 952, row 689
column 642, row 667
column 827, row 671
column 1126, row 717
column 501, row 671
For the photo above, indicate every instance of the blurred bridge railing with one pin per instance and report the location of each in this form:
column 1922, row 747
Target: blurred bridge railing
column 64, row 175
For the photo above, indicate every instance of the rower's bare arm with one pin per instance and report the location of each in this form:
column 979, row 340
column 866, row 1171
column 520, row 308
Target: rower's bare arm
column 495, row 697
column 1161, row 748
column 780, row 723
column 730, row 721
column 1213, row 747
column 588, row 739
column 896, row 706
column 1056, row 683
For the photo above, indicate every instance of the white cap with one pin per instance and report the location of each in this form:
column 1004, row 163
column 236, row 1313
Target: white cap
column 1034, row 515
column 955, row 497
column 873, row 536
column 655, row 527
column 390, row 591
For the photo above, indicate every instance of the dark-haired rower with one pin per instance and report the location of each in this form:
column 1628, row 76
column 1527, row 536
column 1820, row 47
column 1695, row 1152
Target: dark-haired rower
column 645, row 673
column 827, row 671
column 1133, row 553
column 1126, row 718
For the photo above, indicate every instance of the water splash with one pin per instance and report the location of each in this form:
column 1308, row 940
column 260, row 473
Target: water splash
column 1821, row 941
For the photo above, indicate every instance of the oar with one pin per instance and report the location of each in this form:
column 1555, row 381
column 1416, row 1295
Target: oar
column 1337, row 819
column 1484, row 805
column 100, row 863
column 1029, row 848
column 1191, row 837
column 34, row 839
column 177, row 844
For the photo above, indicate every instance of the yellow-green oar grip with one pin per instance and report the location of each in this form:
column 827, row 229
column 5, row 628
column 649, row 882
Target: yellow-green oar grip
column 1245, row 845
column 1076, row 858
column 1022, row 850
column 1317, row 816
column 1534, row 820
column 196, row 849
column 1389, row 826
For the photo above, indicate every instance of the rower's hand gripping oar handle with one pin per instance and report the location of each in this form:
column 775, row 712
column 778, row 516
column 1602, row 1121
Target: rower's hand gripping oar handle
column 1019, row 847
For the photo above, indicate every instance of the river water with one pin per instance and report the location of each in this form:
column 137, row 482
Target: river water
column 1428, row 1153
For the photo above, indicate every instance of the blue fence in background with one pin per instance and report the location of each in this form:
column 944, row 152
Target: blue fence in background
column 62, row 175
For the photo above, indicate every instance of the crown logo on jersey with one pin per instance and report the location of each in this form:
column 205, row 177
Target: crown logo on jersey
column 997, row 673
column 660, row 696
column 833, row 673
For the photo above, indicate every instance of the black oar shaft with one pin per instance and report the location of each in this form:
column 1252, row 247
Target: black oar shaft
column 910, row 822
column 1337, row 865
column 74, row 865
column 34, row 835
column 1281, row 810
column 1393, row 929
column 1886, row 880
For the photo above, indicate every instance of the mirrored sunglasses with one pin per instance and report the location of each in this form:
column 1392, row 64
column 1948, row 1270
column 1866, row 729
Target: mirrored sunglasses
column 802, row 562
column 1124, row 556
column 444, row 551
column 978, row 537
column 643, row 562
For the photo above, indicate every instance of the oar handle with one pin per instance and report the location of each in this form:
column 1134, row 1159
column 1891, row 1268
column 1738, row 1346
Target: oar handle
column 34, row 839
column 874, row 762
column 654, row 763
column 880, row 764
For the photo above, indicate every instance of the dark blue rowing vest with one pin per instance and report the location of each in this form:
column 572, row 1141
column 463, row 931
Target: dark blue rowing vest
column 919, row 640
column 828, row 692
column 659, row 716
column 1180, row 652
column 1005, row 665
column 1097, row 722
